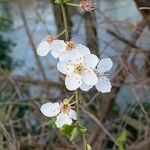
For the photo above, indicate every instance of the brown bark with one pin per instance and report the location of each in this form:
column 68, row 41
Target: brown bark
column 59, row 20
column 142, row 6
column 91, row 32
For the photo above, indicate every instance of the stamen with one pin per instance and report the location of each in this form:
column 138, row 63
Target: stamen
column 70, row 45
column 70, row 98
column 72, row 103
column 79, row 68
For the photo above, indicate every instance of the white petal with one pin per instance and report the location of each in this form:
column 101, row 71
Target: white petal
column 72, row 114
column 50, row 109
column 58, row 46
column 89, row 77
column 75, row 57
column 85, row 87
column 64, row 56
column 90, row 61
column 63, row 119
column 103, row 85
column 82, row 49
column 43, row 48
column 73, row 81
column 104, row 65
column 65, row 68
column 55, row 54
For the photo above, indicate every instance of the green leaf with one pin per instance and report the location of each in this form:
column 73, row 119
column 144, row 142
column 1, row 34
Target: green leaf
column 72, row 131
column 88, row 147
column 66, row 130
column 52, row 122
column 122, row 139
column 75, row 132
column 121, row 148
column 82, row 129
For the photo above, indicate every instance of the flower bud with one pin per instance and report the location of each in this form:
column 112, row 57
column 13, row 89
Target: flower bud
column 87, row 5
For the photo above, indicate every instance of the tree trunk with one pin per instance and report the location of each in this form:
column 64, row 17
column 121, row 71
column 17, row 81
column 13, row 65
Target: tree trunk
column 91, row 32
column 144, row 8
column 59, row 20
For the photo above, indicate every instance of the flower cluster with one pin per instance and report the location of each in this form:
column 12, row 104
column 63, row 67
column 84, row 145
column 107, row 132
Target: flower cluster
column 63, row 112
column 81, row 68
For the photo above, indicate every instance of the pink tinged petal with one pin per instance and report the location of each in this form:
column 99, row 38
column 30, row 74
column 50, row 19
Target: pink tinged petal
column 103, row 85
column 58, row 46
column 82, row 49
column 104, row 65
column 85, row 87
column 65, row 68
column 89, row 77
column 43, row 48
column 63, row 119
column 90, row 61
column 72, row 114
column 50, row 109
column 73, row 81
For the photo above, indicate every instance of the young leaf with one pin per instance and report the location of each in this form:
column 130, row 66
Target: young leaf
column 67, row 129
column 52, row 123
column 82, row 129
column 122, row 139
column 88, row 147
column 75, row 132
column 121, row 148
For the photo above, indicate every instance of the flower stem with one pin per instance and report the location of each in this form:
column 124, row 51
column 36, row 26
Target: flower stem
column 60, row 34
column 65, row 22
column 71, row 4
column 84, row 141
column 77, row 106
column 78, row 118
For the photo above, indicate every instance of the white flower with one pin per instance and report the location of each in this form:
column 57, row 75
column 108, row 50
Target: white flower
column 103, row 85
column 85, row 87
column 56, row 47
column 45, row 46
column 63, row 112
column 62, row 50
column 79, row 70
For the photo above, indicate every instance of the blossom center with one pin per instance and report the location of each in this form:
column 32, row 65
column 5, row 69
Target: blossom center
column 70, row 45
column 65, row 106
column 79, row 68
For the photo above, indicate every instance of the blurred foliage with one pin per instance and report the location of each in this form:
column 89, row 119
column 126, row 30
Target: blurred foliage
column 6, row 62
column 121, row 139
column 5, row 16
column 5, row 21
column 5, row 44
